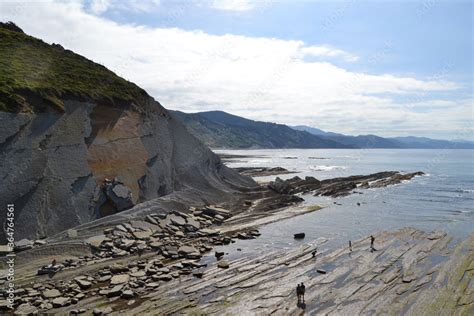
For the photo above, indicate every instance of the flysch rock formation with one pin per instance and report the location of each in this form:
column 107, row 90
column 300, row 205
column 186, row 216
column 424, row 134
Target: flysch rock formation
column 411, row 273
column 92, row 158
column 55, row 165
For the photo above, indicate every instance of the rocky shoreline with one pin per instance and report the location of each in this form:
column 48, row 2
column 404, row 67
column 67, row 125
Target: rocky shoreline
column 262, row 171
column 340, row 186
column 411, row 272
column 130, row 266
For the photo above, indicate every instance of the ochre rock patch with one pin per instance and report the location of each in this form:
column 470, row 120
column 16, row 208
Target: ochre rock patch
column 115, row 148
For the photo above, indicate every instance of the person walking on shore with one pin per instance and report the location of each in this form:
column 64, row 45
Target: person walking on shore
column 350, row 246
column 303, row 289
column 372, row 240
column 298, row 293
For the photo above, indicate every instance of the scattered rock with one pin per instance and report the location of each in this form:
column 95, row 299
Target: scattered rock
column 128, row 294
column 189, row 252
column 119, row 279
column 119, row 195
column 299, row 235
column 223, row 264
column 151, row 220
column 96, row 241
column 23, row 244
column 142, row 234
column 83, row 284
column 198, row 274
column 118, row 268
column 177, row 220
column 60, row 302
column 51, row 293
column 115, row 291
column 26, row 309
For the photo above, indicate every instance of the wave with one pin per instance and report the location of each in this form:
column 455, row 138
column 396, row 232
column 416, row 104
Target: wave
column 326, row 168
column 455, row 190
column 464, row 191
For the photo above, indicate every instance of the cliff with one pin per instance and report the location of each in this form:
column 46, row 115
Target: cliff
column 78, row 143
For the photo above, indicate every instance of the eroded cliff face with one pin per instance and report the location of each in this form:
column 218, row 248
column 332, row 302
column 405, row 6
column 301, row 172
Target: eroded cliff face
column 65, row 169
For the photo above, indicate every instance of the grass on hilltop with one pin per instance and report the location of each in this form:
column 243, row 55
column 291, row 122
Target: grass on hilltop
column 36, row 76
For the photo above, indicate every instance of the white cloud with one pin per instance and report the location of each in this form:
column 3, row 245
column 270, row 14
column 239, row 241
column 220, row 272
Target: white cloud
column 260, row 78
column 233, row 5
column 100, row 6
column 326, row 51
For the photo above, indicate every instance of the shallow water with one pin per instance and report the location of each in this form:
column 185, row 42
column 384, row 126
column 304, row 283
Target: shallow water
column 443, row 199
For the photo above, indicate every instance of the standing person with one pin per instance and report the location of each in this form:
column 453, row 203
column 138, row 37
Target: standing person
column 314, row 252
column 372, row 240
column 350, row 246
column 303, row 289
column 298, row 293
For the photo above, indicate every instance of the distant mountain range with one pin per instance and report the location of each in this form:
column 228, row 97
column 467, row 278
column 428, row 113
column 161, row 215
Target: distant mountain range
column 219, row 129
column 373, row 141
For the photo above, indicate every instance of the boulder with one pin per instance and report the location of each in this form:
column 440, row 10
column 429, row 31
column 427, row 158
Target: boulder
column 51, row 293
column 223, row 264
column 119, row 195
column 104, row 278
column 26, row 309
column 60, row 302
column 209, row 232
column 163, row 277
column 192, row 225
column 176, row 220
column 115, row 291
column 96, row 241
column 189, row 252
column 119, row 279
column 83, row 284
column 156, row 244
column 128, row 294
column 198, row 274
column 126, row 244
column 299, row 235
column 138, row 274
column 280, row 186
column 118, row 268
column 151, row 220
column 142, row 234
column 23, row 244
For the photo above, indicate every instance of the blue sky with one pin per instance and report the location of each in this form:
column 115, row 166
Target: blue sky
column 392, row 68
column 419, row 37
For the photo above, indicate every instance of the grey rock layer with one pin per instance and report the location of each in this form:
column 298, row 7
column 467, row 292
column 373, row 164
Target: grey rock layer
column 54, row 166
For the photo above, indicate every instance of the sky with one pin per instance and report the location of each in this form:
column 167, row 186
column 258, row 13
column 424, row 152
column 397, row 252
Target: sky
column 390, row 68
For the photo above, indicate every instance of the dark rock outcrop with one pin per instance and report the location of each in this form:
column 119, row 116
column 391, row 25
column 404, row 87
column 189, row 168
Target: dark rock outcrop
column 339, row 186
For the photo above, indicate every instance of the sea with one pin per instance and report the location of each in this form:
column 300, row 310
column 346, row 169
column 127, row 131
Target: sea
column 442, row 199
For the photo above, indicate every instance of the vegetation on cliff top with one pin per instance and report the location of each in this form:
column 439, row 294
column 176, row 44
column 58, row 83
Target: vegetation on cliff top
column 36, row 76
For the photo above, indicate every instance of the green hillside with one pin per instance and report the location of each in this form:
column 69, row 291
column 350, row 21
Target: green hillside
column 32, row 70
column 219, row 129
